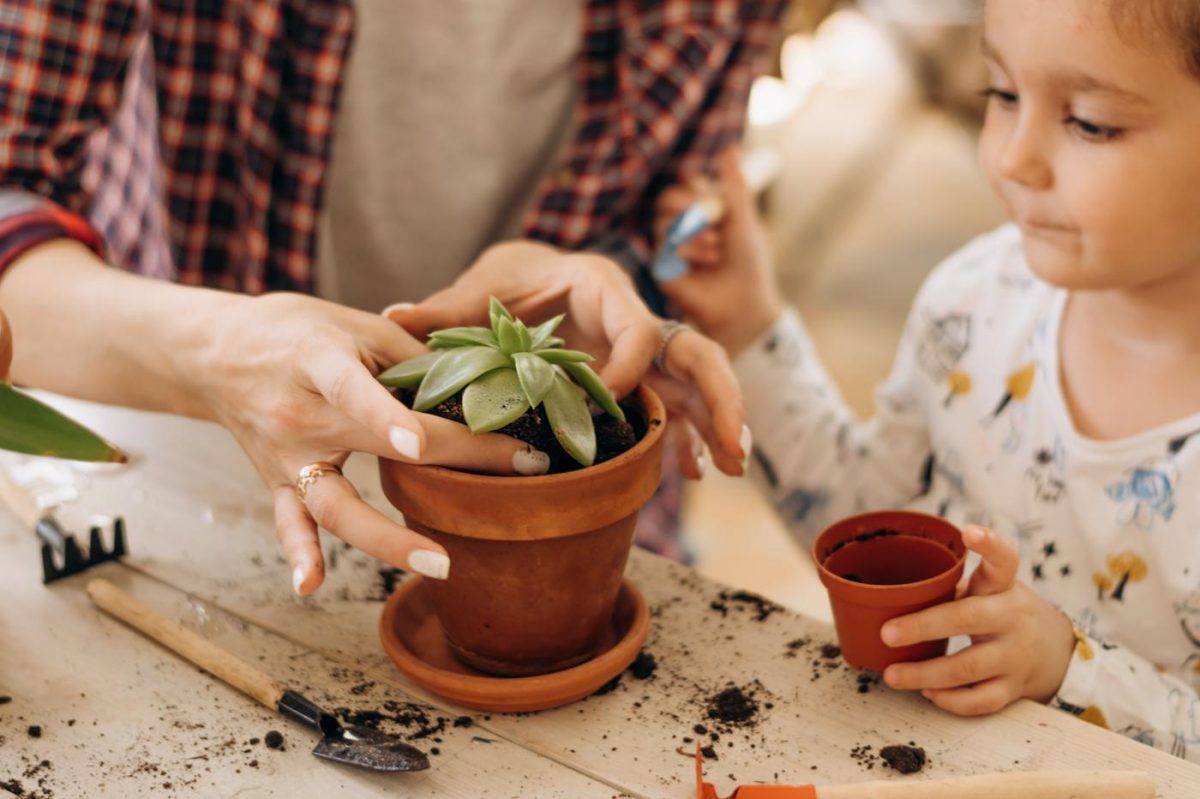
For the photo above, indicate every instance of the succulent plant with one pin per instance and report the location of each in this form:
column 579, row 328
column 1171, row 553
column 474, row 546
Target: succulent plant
column 505, row 370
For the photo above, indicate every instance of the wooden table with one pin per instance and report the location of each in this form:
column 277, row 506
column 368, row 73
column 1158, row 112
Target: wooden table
column 120, row 716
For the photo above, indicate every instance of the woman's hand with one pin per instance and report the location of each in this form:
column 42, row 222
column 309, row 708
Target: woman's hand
column 1021, row 644
column 606, row 318
column 729, row 290
column 293, row 378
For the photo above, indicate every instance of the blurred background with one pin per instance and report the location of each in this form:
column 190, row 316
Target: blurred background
column 866, row 129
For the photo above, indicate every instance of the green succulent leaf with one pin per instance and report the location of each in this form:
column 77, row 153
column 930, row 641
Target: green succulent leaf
column 497, row 311
column 494, row 400
column 543, row 332
column 594, row 386
column 462, row 337
column 525, row 336
column 567, row 410
column 29, row 426
column 410, row 373
column 552, row 342
column 536, row 376
column 454, row 370
column 507, row 335
column 563, row 356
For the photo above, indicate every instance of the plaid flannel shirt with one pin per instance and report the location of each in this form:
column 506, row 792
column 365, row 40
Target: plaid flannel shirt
column 194, row 136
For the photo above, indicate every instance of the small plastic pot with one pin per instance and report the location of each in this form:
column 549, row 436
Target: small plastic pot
column 878, row 566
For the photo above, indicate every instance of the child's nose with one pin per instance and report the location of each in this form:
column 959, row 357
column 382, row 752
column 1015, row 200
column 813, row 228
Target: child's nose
column 1023, row 157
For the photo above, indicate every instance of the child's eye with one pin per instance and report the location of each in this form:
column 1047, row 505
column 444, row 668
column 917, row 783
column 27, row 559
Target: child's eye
column 1093, row 132
column 1003, row 97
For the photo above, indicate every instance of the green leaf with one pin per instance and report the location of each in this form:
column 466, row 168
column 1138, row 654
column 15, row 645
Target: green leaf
column 566, row 408
column 497, row 311
column 494, row 400
column 563, row 356
column 507, row 335
column 536, row 376
column 410, row 373
column 29, row 426
column 454, row 370
column 525, row 336
column 553, row 341
column 542, row 332
column 462, row 337
column 594, row 386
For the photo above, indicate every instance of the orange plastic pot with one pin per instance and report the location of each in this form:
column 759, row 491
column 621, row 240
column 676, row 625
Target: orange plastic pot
column 535, row 562
column 878, row 566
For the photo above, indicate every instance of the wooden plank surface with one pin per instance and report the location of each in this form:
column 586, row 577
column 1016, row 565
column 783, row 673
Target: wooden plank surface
column 119, row 716
column 200, row 521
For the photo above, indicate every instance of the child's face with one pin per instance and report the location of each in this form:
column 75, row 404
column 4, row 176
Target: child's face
column 1092, row 141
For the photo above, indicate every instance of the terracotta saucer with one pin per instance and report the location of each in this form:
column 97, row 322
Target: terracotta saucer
column 413, row 639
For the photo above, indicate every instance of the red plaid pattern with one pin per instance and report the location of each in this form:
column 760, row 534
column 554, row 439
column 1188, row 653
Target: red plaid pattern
column 195, row 135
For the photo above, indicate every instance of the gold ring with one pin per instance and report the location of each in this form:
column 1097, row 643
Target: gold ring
column 311, row 474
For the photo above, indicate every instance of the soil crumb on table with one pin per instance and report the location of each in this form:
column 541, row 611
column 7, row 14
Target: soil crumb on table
column 905, row 759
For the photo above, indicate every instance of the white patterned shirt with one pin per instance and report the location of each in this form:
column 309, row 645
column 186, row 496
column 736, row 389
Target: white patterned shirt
column 972, row 425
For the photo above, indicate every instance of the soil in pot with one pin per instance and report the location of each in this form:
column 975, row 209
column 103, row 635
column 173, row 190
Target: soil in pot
column 613, row 436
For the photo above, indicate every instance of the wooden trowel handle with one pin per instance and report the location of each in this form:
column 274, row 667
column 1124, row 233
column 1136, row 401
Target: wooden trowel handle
column 216, row 661
column 1009, row 785
column 19, row 501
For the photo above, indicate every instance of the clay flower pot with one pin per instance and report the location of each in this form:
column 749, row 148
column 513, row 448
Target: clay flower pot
column 877, row 566
column 536, row 562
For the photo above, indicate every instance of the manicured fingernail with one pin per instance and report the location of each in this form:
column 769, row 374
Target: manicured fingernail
column 405, row 442
column 298, row 575
column 889, row 634
column 529, row 461
column 746, row 442
column 429, row 563
column 889, row 676
column 701, row 464
column 397, row 306
column 973, row 536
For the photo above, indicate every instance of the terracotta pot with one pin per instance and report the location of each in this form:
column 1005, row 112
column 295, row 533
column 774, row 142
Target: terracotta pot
column 535, row 562
column 915, row 563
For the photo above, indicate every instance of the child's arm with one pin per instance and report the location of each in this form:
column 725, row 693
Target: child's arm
column 729, row 291
column 817, row 461
column 1024, row 647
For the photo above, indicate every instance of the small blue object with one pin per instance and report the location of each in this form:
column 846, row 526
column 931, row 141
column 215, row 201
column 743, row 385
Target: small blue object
column 667, row 264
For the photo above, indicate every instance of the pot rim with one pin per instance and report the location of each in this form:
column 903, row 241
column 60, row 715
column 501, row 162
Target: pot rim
column 653, row 408
column 832, row 580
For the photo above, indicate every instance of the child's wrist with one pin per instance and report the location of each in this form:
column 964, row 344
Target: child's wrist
column 740, row 331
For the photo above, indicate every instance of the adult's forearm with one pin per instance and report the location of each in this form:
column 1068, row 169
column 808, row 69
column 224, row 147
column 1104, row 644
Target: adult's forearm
column 87, row 330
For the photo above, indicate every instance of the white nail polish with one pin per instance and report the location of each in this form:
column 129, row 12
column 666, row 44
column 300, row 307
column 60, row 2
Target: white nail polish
column 397, row 306
column 405, row 442
column 530, row 462
column 298, row 575
column 429, row 563
column 747, row 443
column 701, row 464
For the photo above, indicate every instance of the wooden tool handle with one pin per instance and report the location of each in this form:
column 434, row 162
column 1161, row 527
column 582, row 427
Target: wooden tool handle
column 20, row 501
column 1009, row 785
column 173, row 635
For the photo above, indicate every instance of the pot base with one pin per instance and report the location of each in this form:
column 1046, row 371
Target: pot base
column 502, row 668
column 413, row 639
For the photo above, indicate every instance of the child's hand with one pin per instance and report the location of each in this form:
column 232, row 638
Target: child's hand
column 1021, row 644
column 729, row 291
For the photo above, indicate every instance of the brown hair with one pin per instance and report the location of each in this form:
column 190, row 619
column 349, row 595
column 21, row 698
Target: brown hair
column 1176, row 20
